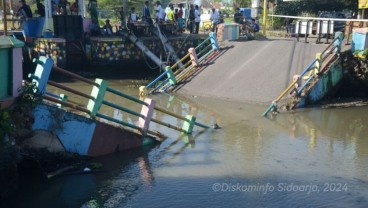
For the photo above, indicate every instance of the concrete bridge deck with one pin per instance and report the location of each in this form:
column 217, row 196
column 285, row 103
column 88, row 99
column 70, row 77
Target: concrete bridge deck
column 252, row 71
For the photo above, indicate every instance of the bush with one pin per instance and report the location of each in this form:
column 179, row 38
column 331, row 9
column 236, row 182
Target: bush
column 21, row 114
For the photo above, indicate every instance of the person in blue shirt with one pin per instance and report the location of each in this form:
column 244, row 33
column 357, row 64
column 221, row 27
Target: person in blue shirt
column 95, row 28
column 146, row 14
column 238, row 16
column 215, row 19
column 255, row 26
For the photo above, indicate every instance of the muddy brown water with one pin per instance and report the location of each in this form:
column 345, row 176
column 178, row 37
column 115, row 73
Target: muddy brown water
column 309, row 158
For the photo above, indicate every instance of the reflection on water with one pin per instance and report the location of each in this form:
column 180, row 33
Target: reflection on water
column 322, row 148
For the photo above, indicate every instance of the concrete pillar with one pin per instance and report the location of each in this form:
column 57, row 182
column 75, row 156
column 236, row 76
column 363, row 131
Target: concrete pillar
column 147, row 111
column 193, row 57
column 338, row 42
column 5, row 71
column 17, row 66
column 214, row 41
column 11, row 71
column 170, row 75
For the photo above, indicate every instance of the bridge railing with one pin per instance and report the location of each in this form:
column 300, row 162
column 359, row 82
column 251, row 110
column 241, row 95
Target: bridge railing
column 322, row 27
column 328, row 55
column 317, row 67
column 174, row 74
column 97, row 98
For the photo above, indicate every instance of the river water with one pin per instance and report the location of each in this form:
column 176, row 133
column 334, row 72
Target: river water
column 310, row 158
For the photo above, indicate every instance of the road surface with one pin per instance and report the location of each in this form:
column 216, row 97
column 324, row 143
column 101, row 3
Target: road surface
column 252, row 71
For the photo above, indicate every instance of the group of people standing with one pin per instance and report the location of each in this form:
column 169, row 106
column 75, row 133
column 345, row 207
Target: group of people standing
column 25, row 12
column 194, row 19
column 64, row 7
column 130, row 19
column 170, row 15
column 241, row 19
column 59, row 7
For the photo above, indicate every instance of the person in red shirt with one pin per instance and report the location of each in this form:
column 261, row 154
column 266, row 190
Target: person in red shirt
column 180, row 20
column 180, row 12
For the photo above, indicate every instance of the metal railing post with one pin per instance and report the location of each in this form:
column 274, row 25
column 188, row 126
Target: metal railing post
column 298, row 32
column 328, row 31
column 320, row 26
column 306, row 32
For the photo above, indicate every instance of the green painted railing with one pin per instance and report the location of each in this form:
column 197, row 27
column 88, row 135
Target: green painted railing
column 96, row 99
column 176, row 75
column 315, row 68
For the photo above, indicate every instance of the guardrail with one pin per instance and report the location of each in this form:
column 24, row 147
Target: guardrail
column 317, row 67
column 194, row 58
column 324, row 26
column 96, row 100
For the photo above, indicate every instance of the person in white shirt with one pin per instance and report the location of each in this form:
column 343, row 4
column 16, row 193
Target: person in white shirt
column 107, row 28
column 159, row 12
column 132, row 19
column 167, row 10
column 197, row 18
column 215, row 19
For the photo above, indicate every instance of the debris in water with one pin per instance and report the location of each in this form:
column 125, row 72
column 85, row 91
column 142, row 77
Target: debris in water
column 216, row 126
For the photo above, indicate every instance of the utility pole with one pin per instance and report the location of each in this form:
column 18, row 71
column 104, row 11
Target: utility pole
column 4, row 18
column 12, row 12
column 264, row 16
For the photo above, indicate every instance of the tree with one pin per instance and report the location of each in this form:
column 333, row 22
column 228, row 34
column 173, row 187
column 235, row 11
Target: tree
column 242, row 3
column 314, row 6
